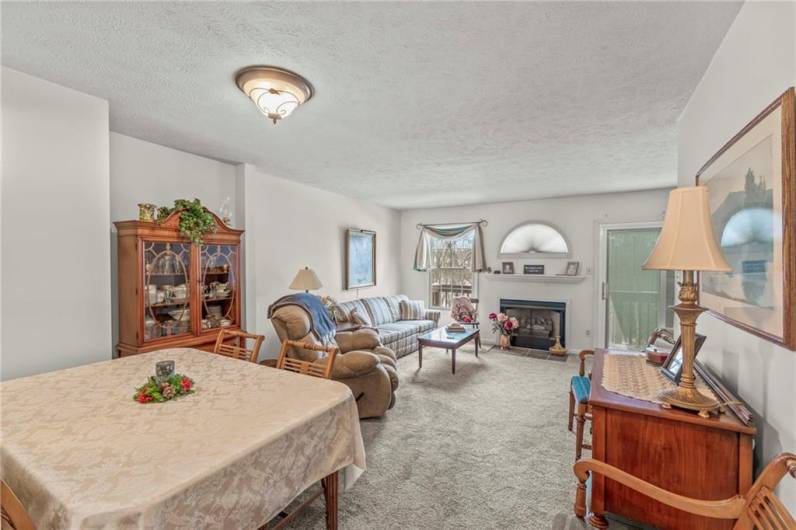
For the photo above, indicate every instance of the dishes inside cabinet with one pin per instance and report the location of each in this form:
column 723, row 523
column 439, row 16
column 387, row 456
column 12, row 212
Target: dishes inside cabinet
column 180, row 291
column 180, row 315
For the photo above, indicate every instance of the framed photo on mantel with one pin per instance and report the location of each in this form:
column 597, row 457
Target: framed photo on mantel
column 753, row 208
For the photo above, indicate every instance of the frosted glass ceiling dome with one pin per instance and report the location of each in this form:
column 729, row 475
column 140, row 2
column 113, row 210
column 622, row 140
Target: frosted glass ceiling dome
column 277, row 92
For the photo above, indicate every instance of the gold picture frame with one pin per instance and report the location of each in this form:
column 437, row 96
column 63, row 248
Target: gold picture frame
column 753, row 207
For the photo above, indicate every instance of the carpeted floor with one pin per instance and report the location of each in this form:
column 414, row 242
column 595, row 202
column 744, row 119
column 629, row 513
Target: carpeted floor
column 485, row 448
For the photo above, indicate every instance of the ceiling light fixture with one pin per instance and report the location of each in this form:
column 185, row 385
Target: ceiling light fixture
column 276, row 91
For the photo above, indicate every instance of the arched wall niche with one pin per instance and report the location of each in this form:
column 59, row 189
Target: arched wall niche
column 534, row 239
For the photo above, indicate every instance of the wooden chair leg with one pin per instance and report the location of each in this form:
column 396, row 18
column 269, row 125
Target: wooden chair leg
column 580, row 500
column 571, row 414
column 580, row 420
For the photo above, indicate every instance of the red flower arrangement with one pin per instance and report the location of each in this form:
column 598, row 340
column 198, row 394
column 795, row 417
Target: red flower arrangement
column 153, row 390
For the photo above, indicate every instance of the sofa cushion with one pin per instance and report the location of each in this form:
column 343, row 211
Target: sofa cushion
column 394, row 331
column 422, row 326
column 379, row 310
column 394, row 303
column 361, row 318
column 412, row 309
column 344, row 309
column 341, row 316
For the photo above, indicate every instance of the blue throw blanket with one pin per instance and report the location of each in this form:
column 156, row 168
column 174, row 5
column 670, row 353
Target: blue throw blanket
column 320, row 323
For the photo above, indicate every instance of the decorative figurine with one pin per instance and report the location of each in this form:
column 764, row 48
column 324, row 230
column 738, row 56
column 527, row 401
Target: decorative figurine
column 557, row 348
column 146, row 212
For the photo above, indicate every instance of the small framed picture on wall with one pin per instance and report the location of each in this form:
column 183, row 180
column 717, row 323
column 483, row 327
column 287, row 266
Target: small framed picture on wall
column 508, row 267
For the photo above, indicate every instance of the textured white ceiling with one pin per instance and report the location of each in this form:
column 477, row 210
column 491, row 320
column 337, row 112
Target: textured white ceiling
column 417, row 104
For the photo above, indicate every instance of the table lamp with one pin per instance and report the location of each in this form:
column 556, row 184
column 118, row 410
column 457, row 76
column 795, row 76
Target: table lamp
column 687, row 243
column 306, row 279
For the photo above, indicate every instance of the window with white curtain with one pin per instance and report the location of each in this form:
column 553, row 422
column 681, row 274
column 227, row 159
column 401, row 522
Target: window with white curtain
column 450, row 270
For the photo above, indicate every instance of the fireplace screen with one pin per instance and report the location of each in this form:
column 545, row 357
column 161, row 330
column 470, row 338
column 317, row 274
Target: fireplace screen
column 540, row 322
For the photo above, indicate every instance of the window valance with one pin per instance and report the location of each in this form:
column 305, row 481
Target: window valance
column 454, row 231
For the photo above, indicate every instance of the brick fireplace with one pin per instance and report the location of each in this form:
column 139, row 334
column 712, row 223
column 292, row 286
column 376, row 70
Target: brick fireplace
column 540, row 322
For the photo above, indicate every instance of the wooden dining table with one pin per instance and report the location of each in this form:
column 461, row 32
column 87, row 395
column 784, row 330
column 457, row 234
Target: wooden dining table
column 80, row 453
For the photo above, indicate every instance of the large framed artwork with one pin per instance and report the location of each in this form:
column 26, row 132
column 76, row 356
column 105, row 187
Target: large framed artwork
column 360, row 258
column 753, row 207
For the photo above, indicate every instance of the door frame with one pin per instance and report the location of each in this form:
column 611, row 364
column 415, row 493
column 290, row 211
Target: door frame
column 601, row 274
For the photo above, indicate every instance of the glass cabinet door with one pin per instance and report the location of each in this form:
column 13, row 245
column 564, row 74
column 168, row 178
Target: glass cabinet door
column 167, row 289
column 219, row 285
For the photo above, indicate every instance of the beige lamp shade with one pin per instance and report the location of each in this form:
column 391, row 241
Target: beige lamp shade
column 306, row 280
column 687, row 241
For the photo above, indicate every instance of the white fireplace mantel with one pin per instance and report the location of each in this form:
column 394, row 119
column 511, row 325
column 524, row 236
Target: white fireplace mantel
column 543, row 278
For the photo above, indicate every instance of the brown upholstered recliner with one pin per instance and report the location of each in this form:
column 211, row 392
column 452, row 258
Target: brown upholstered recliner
column 363, row 364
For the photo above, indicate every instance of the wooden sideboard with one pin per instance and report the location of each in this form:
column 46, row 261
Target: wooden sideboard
column 676, row 450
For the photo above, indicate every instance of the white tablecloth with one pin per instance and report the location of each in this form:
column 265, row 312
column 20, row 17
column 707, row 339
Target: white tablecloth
column 80, row 453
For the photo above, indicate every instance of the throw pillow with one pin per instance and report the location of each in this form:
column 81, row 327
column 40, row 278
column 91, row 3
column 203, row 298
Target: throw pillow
column 412, row 309
column 357, row 317
column 332, row 307
column 340, row 314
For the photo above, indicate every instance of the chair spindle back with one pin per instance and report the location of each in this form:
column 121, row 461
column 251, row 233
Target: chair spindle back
column 315, row 369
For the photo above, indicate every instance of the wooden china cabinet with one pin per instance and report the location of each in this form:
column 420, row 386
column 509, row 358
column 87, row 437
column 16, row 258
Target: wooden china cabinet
column 173, row 293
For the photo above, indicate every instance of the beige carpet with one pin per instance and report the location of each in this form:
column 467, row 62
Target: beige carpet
column 485, row 448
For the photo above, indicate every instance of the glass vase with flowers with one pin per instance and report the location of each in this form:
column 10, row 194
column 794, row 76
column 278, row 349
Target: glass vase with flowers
column 505, row 326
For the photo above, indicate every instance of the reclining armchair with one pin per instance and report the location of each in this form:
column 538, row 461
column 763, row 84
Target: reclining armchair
column 363, row 364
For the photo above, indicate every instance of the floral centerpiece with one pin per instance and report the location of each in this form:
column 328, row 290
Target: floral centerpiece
column 463, row 310
column 505, row 326
column 174, row 386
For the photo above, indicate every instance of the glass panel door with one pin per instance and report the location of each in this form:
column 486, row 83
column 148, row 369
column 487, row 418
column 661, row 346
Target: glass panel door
column 167, row 289
column 219, row 285
column 637, row 301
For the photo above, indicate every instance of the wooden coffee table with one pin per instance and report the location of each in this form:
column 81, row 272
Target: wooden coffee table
column 448, row 340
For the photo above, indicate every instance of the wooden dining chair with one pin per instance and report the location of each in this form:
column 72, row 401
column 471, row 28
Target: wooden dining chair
column 12, row 511
column 758, row 509
column 237, row 347
column 315, row 369
column 579, row 410
column 329, row 486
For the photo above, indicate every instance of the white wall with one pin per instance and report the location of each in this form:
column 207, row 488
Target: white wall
column 753, row 66
column 56, row 303
column 145, row 172
column 577, row 217
column 290, row 226
column 141, row 171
